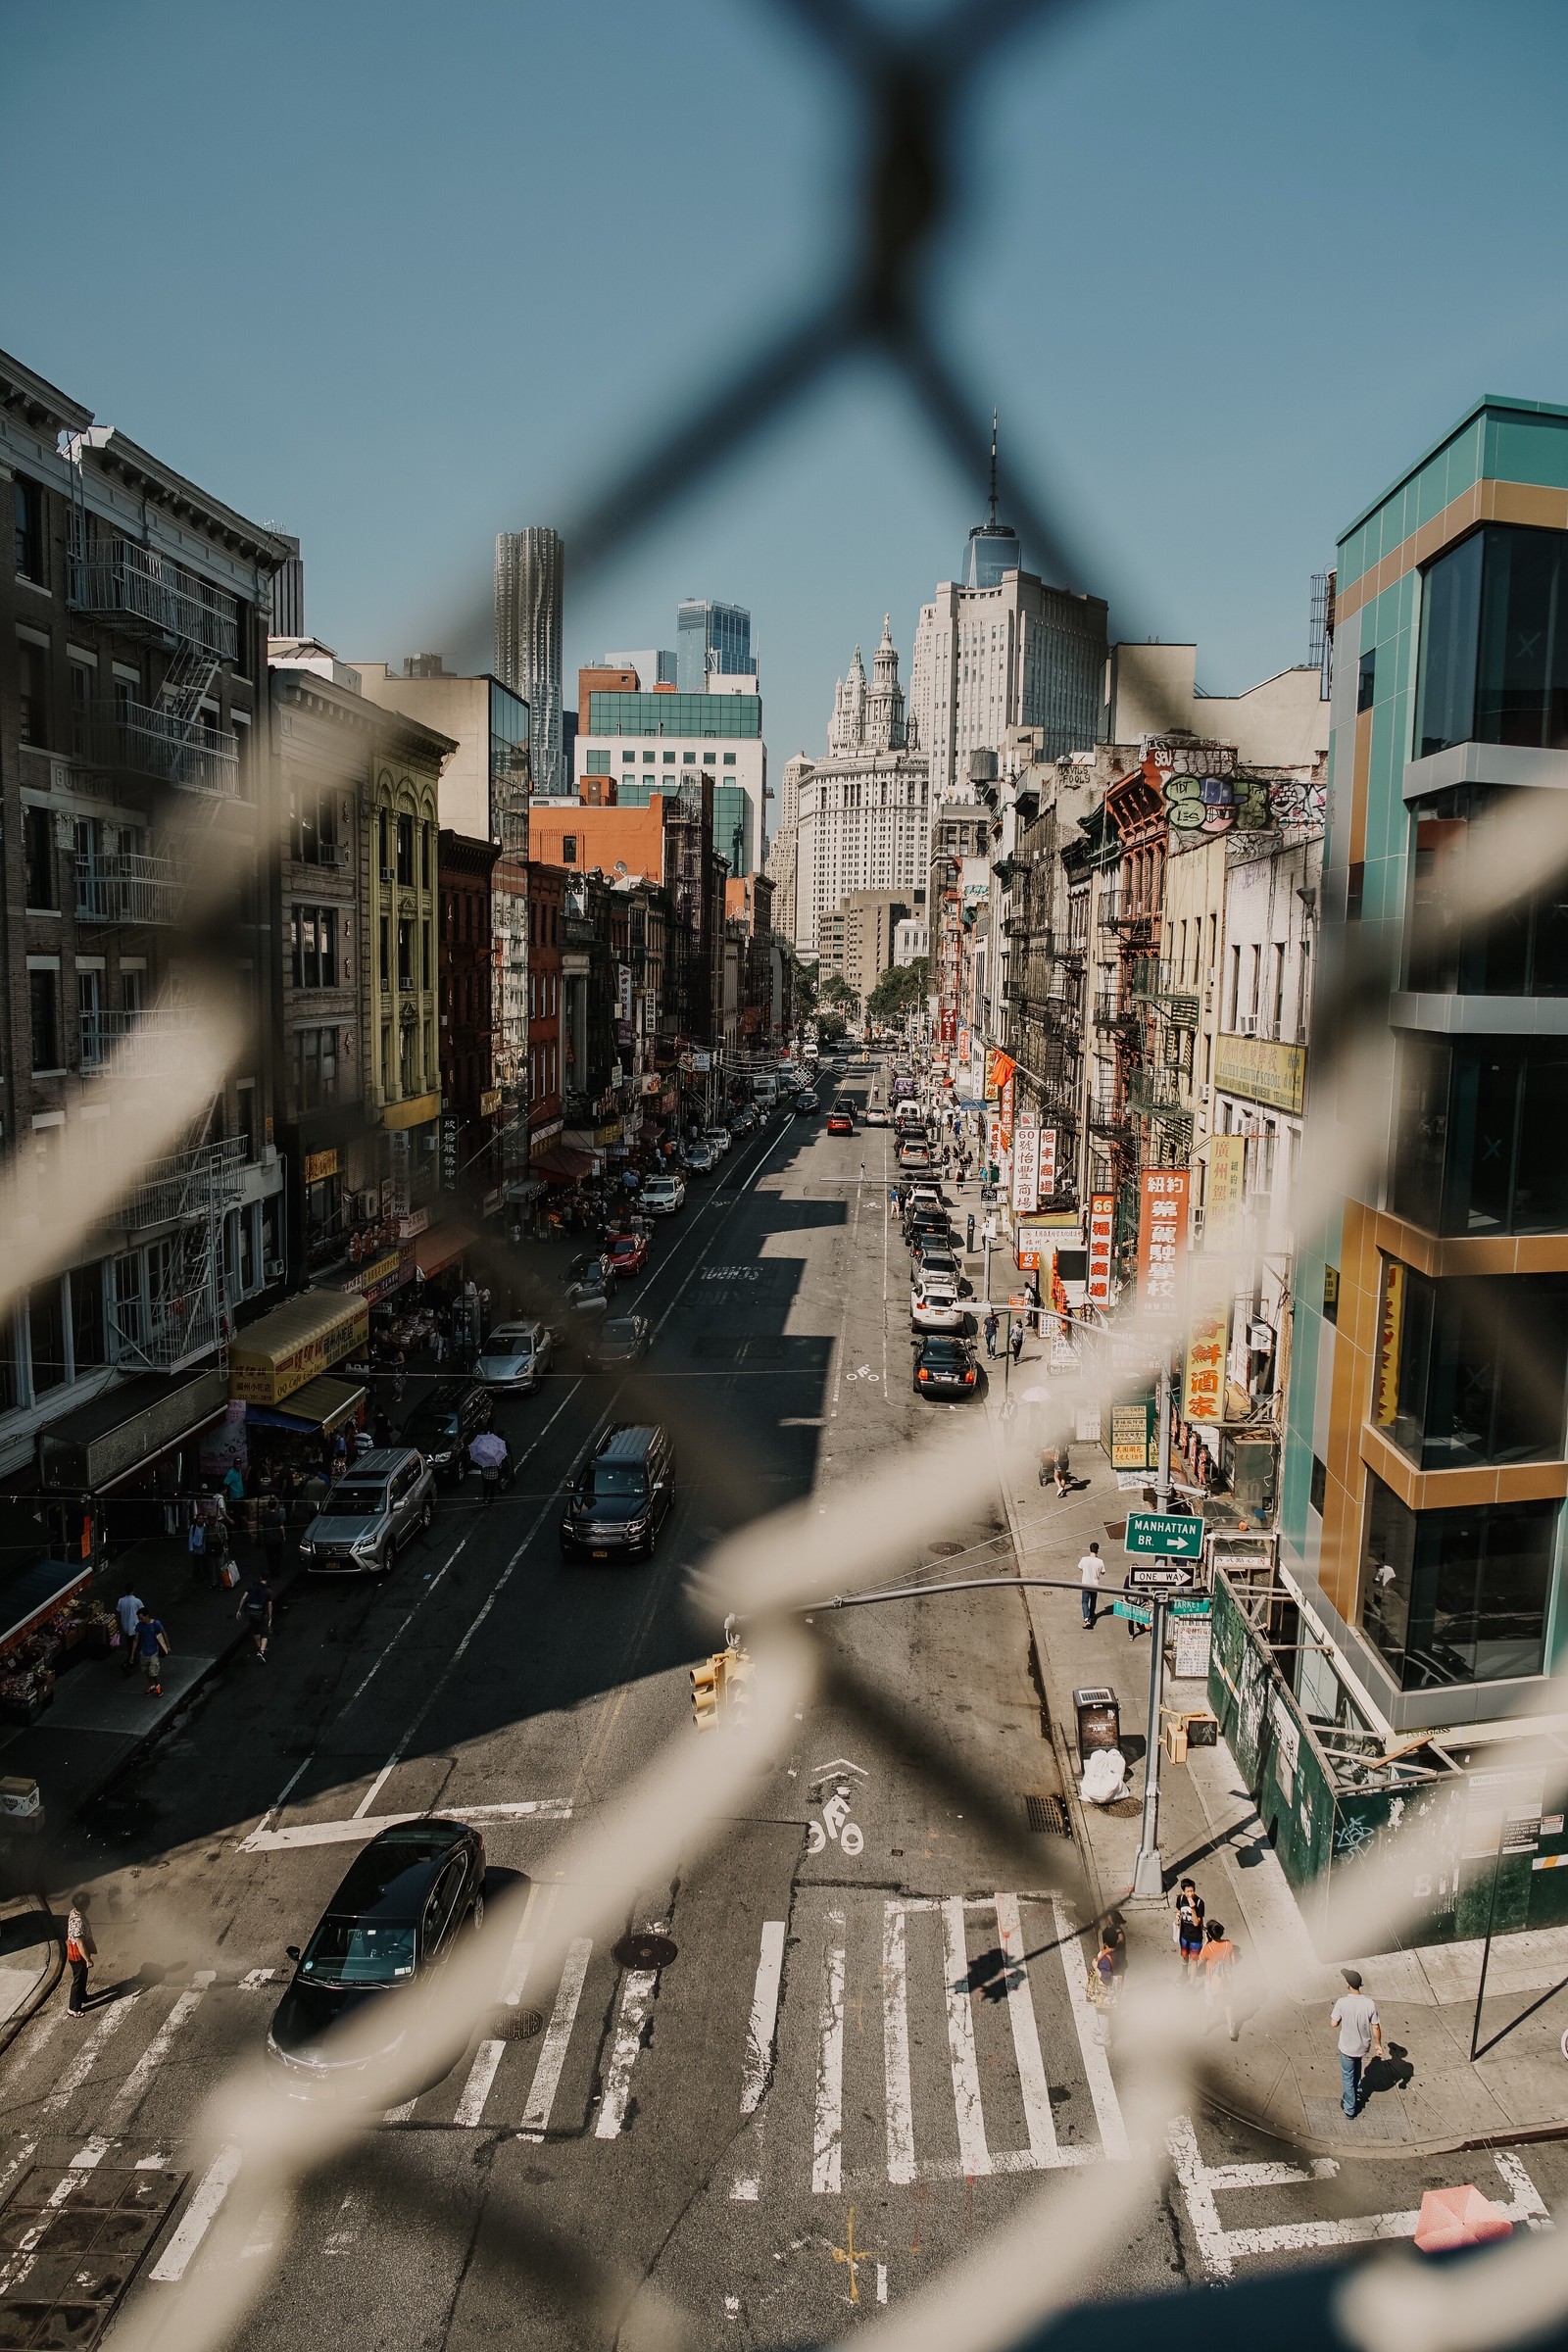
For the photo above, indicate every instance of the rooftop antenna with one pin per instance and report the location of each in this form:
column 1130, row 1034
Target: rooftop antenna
column 992, row 470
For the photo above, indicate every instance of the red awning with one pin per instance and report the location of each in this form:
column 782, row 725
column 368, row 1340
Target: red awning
column 435, row 1252
column 563, row 1165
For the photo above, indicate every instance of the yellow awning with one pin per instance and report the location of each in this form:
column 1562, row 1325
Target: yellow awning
column 304, row 1337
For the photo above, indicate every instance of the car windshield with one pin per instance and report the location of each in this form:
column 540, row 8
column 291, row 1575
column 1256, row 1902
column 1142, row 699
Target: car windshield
column 353, row 1951
column 618, row 1478
column 443, row 1425
column 946, row 1351
column 509, row 1343
column 355, row 1501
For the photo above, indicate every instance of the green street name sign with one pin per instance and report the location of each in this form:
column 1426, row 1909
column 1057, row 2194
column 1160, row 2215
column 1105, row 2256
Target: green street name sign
column 1164, row 1535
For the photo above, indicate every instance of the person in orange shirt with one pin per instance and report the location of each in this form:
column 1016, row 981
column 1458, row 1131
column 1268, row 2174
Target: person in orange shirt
column 1219, row 1970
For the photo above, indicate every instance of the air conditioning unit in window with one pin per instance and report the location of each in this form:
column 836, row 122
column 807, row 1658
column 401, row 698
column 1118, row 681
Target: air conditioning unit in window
column 1247, row 1025
column 273, row 1268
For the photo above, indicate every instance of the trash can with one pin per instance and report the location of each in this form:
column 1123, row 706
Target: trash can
column 1099, row 1714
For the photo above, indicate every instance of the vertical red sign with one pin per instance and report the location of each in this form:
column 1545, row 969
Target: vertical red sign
column 1161, row 1238
column 1102, row 1230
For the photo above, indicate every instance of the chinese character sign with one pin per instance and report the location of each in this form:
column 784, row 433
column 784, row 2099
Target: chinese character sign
column 1026, row 1164
column 1101, row 1233
column 999, row 1067
column 1048, row 1162
column 1161, row 1238
column 1005, row 1109
column 1225, row 1192
column 1204, row 1388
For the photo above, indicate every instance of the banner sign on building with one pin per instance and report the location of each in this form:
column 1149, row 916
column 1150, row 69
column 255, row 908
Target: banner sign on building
column 490, row 1103
column 623, row 992
column 964, row 1045
column 1048, row 1162
column 1026, row 1164
column 1135, row 1436
column 1225, row 1192
column 320, row 1165
column 1203, row 1387
column 999, row 1067
column 1101, row 1232
column 1261, row 1070
column 1389, row 1331
column 948, row 1025
column 1004, row 1111
column 1161, row 1238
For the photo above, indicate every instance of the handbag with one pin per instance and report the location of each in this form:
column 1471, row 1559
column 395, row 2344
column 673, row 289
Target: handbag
column 114, row 1639
column 231, row 1575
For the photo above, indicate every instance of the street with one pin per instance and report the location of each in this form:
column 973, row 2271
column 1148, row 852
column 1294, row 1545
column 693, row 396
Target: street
column 867, row 2043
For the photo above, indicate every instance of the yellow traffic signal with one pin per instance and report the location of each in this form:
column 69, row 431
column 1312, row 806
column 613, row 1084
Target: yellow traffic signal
column 707, row 1691
column 740, row 1673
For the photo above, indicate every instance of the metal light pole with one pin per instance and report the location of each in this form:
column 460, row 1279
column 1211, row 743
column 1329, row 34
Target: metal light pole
column 1149, row 1871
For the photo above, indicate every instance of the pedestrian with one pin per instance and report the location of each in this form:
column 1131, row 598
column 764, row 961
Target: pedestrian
column 196, row 1547
column 273, row 1526
column 1102, row 1985
column 991, row 1328
column 80, row 1952
column 1091, row 1570
column 490, row 1480
column 233, row 1488
column 152, row 1648
column 256, row 1609
column 1189, row 1929
column 439, row 1346
column 1063, row 1471
column 1220, row 1969
column 1360, row 2031
column 127, row 1608
column 1015, row 1339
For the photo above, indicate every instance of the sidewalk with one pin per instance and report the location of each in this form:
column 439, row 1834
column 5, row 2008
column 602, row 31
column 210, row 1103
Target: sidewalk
column 1282, row 2075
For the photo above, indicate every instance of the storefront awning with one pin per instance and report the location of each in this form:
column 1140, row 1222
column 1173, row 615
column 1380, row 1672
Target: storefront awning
column 323, row 1404
column 435, row 1252
column 122, row 1428
column 563, row 1165
column 274, row 1357
column 29, row 1594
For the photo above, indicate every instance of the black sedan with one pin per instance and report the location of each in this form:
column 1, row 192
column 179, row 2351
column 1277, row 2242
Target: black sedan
column 443, row 1423
column 620, row 1340
column 396, row 1918
column 945, row 1367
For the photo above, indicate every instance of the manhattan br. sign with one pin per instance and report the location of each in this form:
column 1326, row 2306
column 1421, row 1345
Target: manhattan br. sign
column 1163, row 1536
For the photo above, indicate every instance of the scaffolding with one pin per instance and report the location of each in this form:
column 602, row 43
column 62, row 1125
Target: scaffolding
column 171, row 1301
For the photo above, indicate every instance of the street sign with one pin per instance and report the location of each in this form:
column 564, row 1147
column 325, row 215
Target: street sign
column 1195, row 1604
column 1165, row 1535
column 1160, row 1579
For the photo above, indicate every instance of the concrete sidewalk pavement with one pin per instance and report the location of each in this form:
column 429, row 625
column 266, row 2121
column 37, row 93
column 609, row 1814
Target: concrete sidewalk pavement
column 1281, row 2074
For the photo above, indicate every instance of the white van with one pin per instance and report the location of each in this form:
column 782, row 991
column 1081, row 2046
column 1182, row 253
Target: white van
column 764, row 1088
column 908, row 1114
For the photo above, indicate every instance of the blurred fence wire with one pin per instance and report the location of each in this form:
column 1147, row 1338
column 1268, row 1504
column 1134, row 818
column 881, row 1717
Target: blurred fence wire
column 910, row 86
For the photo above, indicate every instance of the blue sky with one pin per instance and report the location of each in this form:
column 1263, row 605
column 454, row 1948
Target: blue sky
column 399, row 277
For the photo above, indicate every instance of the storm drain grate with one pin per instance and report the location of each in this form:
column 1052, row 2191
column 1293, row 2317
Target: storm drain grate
column 516, row 2024
column 643, row 1951
column 1047, row 1816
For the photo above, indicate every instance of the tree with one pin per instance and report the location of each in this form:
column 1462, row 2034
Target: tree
column 902, row 989
column 837, row 994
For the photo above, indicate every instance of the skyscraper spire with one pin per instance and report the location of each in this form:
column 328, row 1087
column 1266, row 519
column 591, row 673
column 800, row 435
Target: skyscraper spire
column 992, row 551
column 992, row 470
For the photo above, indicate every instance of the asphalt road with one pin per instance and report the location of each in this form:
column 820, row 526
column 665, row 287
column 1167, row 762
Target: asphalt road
column 870, row 2043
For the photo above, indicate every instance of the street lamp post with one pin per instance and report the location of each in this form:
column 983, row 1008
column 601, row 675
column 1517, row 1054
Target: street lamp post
column 1149, row 1871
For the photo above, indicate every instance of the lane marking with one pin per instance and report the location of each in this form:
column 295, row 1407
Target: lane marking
column 974, row 2156
column 488, row 2056
column 1032, row 2079
column 200, row 2214
column 362, row 1825
column 129, row 2095
column 758, row 2064
column 1097, row 2065
column 636, row 2006
column 557, row 2033
column 88, row 2056
column 896, row 2044
column 827, row 2132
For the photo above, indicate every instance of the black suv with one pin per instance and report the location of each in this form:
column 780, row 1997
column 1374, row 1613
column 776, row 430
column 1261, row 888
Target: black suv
column 624, row 1497
column 442, row 1423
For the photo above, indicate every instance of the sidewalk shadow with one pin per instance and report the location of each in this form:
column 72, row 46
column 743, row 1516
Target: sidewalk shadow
column 1394, row 2071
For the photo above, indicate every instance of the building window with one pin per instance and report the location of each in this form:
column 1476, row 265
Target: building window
column 383, row 845
column 90, row 1015
column 315, row 828
column 1473, row 1371
column 425, row 856
column 568, row 849
column 424, row 956
column 1318, row 1485
column 384, row 962
column 405, row 851
column 315, row 1067
column 1479, row 1130
column 1493, row 662
column 32, row 693
column 43, row 998
column 38, row 850
column 245, row 1116
column 405, row 957
column 46, row 1328
column 313, row 940
column 1366, row 679
column 1457, row 1596
column 1517, row 949
column 86, row 1319
column 27, row 508
column 729, row 759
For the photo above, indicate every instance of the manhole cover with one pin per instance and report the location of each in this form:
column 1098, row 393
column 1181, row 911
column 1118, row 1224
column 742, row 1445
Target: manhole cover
column 516, row 2024
column 643, row 1951
column 1047, row 1816
column 944, row 1552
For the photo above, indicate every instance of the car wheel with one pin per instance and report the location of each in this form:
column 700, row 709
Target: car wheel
column 427, row 1515
column 389, row 1557
column 478, row 1908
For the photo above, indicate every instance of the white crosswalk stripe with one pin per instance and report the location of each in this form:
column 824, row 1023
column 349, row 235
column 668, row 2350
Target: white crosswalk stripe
column 557, row 2033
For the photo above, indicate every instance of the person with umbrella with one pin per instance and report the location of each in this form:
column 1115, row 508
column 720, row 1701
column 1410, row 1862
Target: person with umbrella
column 488, row 1453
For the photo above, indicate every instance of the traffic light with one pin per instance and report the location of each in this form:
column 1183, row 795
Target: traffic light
column 707, row 1691
column 740, row 1672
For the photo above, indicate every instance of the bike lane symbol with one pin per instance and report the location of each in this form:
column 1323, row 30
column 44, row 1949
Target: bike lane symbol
column 834, row 1825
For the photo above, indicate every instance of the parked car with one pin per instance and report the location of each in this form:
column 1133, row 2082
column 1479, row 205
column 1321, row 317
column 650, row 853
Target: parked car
column 913, row 1156
column 721, row 1139
column 515, row 1354
column 875, row 1114
column 945, row 1367
column 663, row 1195
column 395, row 1920
column 628, row 1253
column 622, row 1498
column 700, row 1158
column 373, row 1511
column 442, row 1423
column 934, row 1305
column 936, row 1264
column 590, row 1284
column 620, row 1340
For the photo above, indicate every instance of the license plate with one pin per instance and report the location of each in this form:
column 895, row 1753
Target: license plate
column 601, row 1555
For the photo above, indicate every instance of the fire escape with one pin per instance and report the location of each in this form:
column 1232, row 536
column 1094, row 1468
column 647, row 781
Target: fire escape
column 1159, row 1087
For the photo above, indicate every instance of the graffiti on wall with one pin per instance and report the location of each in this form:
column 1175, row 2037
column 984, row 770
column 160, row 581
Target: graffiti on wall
column 1239, row 804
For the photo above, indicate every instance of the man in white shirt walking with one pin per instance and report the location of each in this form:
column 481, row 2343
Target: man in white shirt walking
column 1360, row 2031
column 1091, row 1570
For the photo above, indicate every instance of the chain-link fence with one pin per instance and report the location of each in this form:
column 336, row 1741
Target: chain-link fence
column 910, row 90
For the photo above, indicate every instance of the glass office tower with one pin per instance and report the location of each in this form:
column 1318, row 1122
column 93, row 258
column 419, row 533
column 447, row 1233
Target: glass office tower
column 712, row 637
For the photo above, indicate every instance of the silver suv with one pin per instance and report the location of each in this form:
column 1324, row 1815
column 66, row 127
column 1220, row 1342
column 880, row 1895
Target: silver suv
column 373, row 1511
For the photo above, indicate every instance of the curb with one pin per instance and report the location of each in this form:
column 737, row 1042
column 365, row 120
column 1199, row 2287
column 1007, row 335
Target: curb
column 48, row 1978
column 1235, row 2111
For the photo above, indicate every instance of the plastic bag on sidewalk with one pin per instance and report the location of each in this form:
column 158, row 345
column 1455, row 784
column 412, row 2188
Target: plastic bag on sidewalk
column 231, row 1575
column 1104, row 1777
